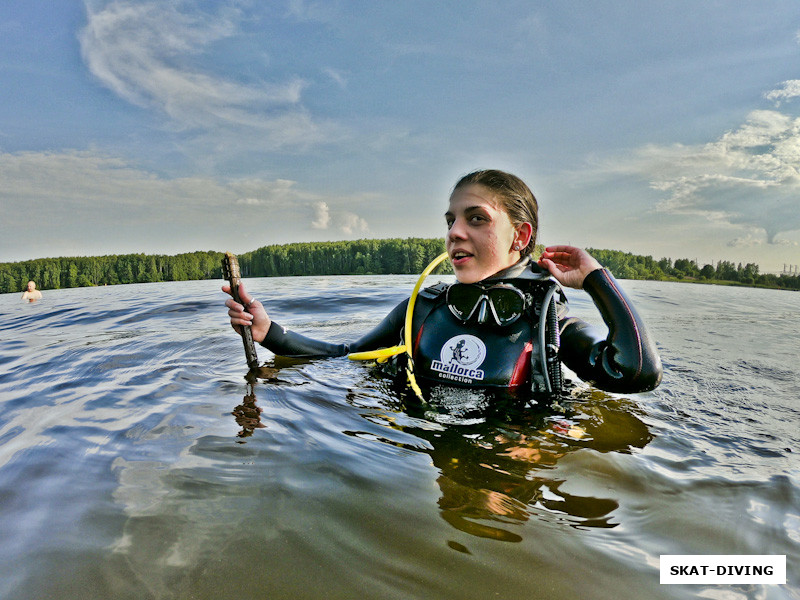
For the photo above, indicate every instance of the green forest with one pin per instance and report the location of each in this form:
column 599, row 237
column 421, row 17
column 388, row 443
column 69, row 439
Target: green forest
column 360, row 257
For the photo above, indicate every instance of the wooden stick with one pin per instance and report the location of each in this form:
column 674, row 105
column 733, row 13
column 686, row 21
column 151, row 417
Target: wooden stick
column 230, row 270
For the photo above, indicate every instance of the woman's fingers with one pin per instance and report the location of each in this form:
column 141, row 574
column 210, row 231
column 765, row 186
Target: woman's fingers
column 565, row 255
column 240, row 318
column 238, row 315
column 568, row 265
column 243, row 295
column 249, row 312
column 237, row 310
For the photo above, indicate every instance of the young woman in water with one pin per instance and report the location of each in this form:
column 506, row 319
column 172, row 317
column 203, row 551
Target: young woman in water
column 499, row 325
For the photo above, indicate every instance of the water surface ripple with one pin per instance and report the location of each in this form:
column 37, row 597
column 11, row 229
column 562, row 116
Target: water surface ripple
column 136, row 461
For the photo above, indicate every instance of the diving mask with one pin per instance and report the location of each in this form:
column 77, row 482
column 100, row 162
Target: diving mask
column 504, row 302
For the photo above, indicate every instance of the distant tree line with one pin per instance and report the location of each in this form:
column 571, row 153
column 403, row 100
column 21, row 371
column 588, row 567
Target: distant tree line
column 625, row 265
column 396, row 256
column 360, row 257
column 84, row 271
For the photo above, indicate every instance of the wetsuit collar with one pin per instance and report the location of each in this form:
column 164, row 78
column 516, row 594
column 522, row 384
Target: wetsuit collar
column 524, row 268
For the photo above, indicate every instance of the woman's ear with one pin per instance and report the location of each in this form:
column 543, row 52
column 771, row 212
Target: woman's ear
column 523, row 236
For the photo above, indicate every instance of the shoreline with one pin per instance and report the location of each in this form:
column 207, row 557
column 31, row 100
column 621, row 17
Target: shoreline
column 393, row 256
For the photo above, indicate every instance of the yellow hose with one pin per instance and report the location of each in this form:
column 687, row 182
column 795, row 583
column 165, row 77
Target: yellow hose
column 384, row 353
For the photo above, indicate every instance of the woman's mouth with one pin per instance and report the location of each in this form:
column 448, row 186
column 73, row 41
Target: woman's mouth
column 459, row 257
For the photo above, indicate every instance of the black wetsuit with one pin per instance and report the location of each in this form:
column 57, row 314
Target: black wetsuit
column 448, row 351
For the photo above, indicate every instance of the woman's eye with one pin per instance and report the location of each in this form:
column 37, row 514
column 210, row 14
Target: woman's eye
column 477, row 219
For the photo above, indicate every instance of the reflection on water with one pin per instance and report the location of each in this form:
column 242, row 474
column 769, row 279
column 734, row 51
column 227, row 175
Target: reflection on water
column 502, row 473
column 248, row 414
column 138, row 461
column 496, row 469
column 494, row 452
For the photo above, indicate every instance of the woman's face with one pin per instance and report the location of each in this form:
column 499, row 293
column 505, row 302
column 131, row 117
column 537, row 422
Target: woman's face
column 480, row 236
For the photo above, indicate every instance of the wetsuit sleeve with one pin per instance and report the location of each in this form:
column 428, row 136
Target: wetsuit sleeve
column 626, row 360
column 283, row 342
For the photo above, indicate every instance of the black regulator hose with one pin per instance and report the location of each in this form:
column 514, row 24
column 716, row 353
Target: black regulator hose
column 553, row 343
column 549, row 341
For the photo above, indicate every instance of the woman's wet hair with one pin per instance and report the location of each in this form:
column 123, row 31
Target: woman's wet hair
column 514, row 196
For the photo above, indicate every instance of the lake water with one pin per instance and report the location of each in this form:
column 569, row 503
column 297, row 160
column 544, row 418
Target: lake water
column 136, row 461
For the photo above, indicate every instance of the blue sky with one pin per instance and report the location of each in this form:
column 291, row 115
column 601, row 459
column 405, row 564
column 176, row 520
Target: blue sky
column 668, row 129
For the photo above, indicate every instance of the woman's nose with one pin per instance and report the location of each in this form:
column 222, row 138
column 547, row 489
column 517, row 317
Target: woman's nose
column 456, row 231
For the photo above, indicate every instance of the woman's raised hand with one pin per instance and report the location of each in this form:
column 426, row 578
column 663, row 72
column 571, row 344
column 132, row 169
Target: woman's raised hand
column 252, row 314
column 568, row 264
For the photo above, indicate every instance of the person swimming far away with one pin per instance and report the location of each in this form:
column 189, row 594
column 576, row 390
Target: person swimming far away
column 506, row 313
column 31, row 294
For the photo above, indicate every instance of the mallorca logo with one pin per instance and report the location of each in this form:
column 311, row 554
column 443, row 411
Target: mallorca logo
column 460, row 359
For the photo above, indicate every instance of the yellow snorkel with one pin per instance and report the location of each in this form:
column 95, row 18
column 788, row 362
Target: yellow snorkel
column 384, row 354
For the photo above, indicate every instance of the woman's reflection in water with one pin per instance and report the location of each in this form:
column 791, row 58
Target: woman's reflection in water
column 494, row 471
column 494, row 454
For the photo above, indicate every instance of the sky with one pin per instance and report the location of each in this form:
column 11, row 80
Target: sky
column 669, row 129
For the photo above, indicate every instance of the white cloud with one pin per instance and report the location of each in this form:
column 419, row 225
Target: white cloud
column 788, row 90
column 321, row 12
column 80, row 203
column 322, row 215
column 347, row 222
column 749, row 177
column 351, row 224
column 151, row 54
column 749, row 241
column 256, row 191
column 337, row 76
column 85, row 180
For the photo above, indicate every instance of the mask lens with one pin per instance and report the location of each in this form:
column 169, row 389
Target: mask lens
column 508, row 303
column 463, row 299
